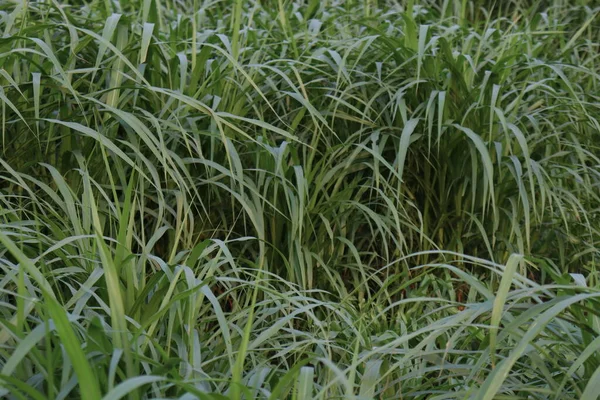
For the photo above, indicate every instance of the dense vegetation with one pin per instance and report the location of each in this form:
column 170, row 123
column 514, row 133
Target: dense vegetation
column 300, row 199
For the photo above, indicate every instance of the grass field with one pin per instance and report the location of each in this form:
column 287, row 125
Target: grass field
column 359, row 199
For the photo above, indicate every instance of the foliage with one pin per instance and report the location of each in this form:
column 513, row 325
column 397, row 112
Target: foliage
column 299, row 199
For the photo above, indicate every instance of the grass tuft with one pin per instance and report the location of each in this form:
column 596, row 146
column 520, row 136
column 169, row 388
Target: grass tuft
column 360, row 199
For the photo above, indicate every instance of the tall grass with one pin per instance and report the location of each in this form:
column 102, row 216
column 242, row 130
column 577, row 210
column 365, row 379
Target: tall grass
column 299, row 199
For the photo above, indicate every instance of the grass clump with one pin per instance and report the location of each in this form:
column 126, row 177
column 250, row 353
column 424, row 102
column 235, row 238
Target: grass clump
column 299, row 199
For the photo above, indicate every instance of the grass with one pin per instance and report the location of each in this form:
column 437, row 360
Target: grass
column 299, row 199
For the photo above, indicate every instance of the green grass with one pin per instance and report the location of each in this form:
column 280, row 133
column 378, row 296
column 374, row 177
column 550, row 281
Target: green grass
column 300, row 199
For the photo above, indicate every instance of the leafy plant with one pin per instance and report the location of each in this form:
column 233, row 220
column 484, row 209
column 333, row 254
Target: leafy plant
column 299, row 199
